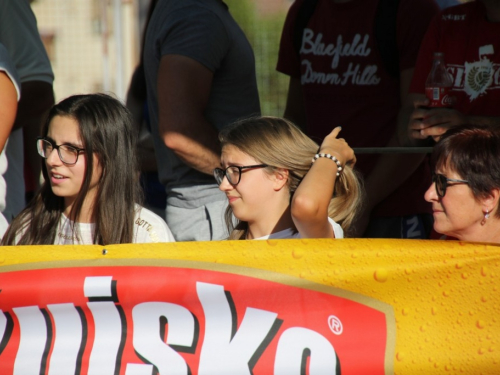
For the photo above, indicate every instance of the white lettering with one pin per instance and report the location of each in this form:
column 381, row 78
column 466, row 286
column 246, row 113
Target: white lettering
column 295, row 345
column 4, row 327
column 221, row 353
column 148, row 342
column 33, row 340
column 315, row 46
column 137, row 369
column 68, row 325
column 354, row 76
column 108, row 331
column 98, row 286
column 107, row 323
column 161, row 332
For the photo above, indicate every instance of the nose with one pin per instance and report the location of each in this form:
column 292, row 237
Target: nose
column 225, row 185
column 53, row 158
column 431, row 194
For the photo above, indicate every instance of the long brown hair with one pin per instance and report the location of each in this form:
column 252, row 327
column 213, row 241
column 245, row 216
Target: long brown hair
column 106, row 130
column 280, row 144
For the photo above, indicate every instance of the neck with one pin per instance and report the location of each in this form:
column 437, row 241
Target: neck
column 85, row 215
column 489, row 232
column 257, row 229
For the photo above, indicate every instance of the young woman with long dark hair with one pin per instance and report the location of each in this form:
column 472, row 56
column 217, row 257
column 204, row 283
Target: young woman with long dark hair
column 91, row 190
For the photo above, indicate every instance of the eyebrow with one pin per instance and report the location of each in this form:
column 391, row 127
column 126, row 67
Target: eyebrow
column 64, row 143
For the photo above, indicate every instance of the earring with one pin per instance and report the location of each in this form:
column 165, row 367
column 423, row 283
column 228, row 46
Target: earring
column 486, row 217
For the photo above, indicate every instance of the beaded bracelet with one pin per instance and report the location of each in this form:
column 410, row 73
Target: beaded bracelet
column 328, row 156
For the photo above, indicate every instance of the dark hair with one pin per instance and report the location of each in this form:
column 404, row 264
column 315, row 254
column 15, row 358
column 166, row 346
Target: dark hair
column 106, row 130
column 472, row 151
column 280, row 144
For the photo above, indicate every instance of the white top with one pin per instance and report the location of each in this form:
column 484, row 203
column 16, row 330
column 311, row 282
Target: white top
column 148, row 227
column 290, row 233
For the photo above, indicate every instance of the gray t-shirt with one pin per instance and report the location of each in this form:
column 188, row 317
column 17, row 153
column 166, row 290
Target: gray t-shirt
column 19, row 34
column 205, row 31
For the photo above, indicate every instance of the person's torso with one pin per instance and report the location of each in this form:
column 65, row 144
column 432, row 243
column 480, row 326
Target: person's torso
column 233, row 92
column 471, row 47
column 343, row 76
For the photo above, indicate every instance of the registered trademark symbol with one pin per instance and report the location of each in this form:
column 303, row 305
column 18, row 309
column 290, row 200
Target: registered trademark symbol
column 335, row 325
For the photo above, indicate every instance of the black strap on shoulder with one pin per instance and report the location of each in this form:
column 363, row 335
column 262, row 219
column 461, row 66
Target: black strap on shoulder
column 305, row 12
column 385, row 32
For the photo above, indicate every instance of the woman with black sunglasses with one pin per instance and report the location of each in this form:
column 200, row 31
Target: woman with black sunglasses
column 466, row 184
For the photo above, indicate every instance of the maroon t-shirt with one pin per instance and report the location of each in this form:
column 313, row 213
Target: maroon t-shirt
column 471, row 47
column 345, row 83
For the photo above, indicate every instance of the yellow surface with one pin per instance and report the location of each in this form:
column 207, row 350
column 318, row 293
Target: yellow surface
column 444, row 293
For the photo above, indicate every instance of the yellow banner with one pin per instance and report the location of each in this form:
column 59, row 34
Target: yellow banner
column 410, row 306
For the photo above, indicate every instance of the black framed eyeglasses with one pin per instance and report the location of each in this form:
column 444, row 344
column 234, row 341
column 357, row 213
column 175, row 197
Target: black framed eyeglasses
column 68, row 154
column 233, row 173
column 441, row 182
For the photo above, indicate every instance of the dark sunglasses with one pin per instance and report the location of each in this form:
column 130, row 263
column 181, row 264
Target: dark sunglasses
column 233, row 173
column 441, row 182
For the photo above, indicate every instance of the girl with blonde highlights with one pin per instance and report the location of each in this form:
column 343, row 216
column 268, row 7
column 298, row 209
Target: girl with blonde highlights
column 280, row 184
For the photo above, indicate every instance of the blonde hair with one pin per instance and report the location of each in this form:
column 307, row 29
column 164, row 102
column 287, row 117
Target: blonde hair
column 280, row 144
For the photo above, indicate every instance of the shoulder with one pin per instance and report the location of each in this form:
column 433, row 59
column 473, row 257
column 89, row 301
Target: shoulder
column 188, row 14
column 149, row 227
column 7, row 66
column 414, row 9
column 456, row 20
column 464, row 12
column 456, row 15
column 190, row 28
column 337, row 229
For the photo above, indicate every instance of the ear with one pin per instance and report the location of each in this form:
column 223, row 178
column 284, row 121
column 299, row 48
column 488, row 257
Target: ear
column 280, row 179
column 490, row 203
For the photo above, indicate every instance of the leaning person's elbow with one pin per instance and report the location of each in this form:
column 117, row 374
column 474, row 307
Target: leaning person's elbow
column 304, row 208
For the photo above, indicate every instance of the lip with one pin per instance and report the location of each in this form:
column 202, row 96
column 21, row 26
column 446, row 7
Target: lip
column 57, row 181
column 436, row 210
column 232, row 198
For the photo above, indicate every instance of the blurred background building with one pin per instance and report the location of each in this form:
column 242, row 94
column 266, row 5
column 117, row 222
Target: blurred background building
column 94, row 45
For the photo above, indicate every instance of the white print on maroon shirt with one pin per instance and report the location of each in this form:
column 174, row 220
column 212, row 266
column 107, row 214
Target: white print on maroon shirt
column 476, row 78
column 453, row 17
column 355, row 74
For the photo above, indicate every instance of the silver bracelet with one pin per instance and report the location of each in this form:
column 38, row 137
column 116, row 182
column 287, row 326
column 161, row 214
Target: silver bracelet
column 328, row 156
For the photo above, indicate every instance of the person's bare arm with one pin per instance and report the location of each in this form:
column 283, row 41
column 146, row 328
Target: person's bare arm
column 295, row 108
column 391, row 170
column 183, row 92
column 310, row 201
column 8, row 108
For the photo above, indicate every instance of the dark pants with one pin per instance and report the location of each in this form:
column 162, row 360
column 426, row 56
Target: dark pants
column 412, row 226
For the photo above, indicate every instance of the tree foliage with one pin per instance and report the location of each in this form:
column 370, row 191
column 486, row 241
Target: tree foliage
column 264, row 33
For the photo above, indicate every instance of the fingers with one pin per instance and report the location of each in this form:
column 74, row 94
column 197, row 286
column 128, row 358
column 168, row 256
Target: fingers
column 335, row 132
column 417, row 134
column 421, row 102
column 434, row 131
